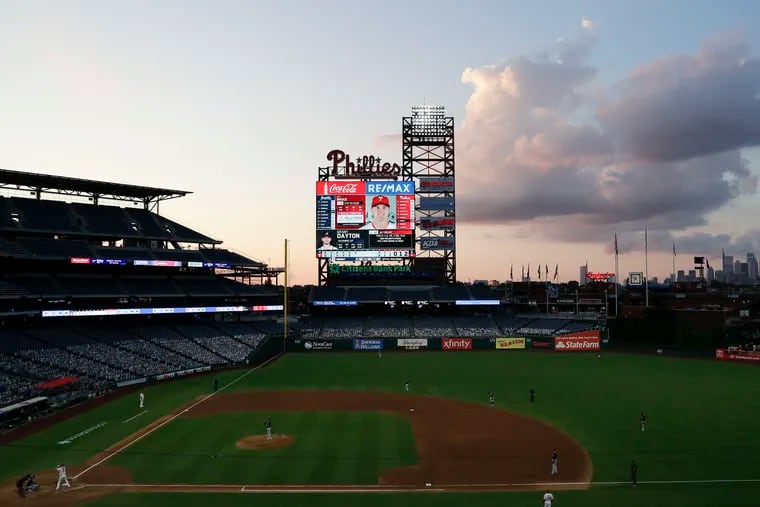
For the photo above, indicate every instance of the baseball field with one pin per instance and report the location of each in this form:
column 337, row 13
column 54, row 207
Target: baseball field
column 345, row 432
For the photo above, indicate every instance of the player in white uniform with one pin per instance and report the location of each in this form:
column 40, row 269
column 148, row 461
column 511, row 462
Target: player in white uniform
column 142, row 400
column 548, row 499
column 269, row 428
column 62, row 477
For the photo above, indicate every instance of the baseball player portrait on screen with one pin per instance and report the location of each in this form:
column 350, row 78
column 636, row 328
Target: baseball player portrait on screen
column 380, row 215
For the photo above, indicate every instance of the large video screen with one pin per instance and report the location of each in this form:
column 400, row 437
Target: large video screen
column 365, row 220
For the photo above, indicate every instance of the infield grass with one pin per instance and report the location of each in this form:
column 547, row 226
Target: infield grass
column 702, row 424
column 328, row 448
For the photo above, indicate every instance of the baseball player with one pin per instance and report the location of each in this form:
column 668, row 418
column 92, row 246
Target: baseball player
column 555, row 462
column 634, row 471
column 142, row 400
column 268, row 426
column 21, row 485
column 406, row 385
column 643, row 420
column 532, row 395
column 62, row 477
column 491, row 398
column 548, row 499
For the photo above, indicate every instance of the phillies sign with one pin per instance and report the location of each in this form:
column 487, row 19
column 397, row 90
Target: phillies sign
column 367, row 167
column 456, row 344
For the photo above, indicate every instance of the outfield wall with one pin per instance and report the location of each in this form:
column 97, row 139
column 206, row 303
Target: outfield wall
column 584, row 341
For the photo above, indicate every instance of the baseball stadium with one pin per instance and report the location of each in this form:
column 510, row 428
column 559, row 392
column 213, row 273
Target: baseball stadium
column 143, row 363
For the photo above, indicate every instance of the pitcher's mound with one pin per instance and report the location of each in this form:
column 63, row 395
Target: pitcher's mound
column 261, row 442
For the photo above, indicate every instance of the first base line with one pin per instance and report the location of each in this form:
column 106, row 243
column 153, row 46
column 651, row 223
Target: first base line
column 173, row 417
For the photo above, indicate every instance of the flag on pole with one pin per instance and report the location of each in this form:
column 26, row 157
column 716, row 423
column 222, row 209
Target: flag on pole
column 528, row 271
column 616, row 244
column 708, row 263
column 547, row 272
column 674, row 249
column 510, row 273
column 522, row 276
column 556, row 271
column 539, row 271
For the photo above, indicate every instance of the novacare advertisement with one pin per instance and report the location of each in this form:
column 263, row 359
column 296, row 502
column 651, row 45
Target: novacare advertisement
column 510, row 343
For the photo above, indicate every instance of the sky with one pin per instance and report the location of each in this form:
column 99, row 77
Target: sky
column 574, row 120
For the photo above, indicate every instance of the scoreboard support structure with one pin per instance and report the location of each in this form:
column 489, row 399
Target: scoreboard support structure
column 428, row 155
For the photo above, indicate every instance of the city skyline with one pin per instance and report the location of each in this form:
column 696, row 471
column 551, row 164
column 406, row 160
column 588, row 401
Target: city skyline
column 573, row 121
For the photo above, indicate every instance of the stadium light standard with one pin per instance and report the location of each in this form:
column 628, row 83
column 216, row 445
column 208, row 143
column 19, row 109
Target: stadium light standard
column 285, row 299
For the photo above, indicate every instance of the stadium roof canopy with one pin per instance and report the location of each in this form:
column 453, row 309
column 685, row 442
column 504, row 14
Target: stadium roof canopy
column 46, row 183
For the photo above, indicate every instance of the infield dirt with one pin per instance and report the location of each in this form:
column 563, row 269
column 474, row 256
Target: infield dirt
column 460, row 446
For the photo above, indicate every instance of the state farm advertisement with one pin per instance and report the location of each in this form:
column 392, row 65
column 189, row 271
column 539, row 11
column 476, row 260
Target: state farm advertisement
column 581, row 341
column 510, row 343
column 456, row 344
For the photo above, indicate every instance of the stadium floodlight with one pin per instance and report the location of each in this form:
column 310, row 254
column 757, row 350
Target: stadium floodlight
column 429, row 120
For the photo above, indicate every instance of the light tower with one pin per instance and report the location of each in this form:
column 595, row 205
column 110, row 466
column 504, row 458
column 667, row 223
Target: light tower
column 428, row 157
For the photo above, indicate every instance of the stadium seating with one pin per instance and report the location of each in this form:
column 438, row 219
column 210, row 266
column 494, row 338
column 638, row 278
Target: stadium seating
column 388, row 326
column 476, row 326
column 430, row 326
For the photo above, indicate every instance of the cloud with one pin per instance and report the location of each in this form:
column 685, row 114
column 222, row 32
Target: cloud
column 539, row 150
column 384, row 141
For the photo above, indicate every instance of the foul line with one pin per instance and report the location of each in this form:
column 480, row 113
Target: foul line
column 117, row 451
column 371, row 488
column 135, row 416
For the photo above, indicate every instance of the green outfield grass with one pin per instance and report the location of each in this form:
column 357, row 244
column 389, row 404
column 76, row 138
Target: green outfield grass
column 702, row 425
column 329, row 448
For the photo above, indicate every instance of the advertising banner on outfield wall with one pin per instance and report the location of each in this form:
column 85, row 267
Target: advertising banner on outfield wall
column 132, row 382
column 318, row 345
column 510, row 343
column 412, row 343
column 456, row 344
column 582, row 341
column 738, row 355
column 541, row 343
column 368, row 344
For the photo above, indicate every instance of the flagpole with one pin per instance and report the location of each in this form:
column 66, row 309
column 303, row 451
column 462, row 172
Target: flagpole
column 285, row 297
column 646, row 268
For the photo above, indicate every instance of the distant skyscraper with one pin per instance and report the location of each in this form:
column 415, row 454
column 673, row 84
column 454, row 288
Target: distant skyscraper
column 753, row 268
column 584, row 272
column 692, row 275
column 728, row 268
column 710, row 274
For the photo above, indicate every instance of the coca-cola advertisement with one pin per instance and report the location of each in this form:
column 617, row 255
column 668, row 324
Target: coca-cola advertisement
column 365, row 220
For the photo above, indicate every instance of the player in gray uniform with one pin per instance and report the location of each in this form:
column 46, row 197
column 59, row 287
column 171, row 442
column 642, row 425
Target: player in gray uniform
column 268, row 426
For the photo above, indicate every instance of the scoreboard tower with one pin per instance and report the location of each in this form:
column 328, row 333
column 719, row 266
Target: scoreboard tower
column 420, row 197
column 428, row 157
